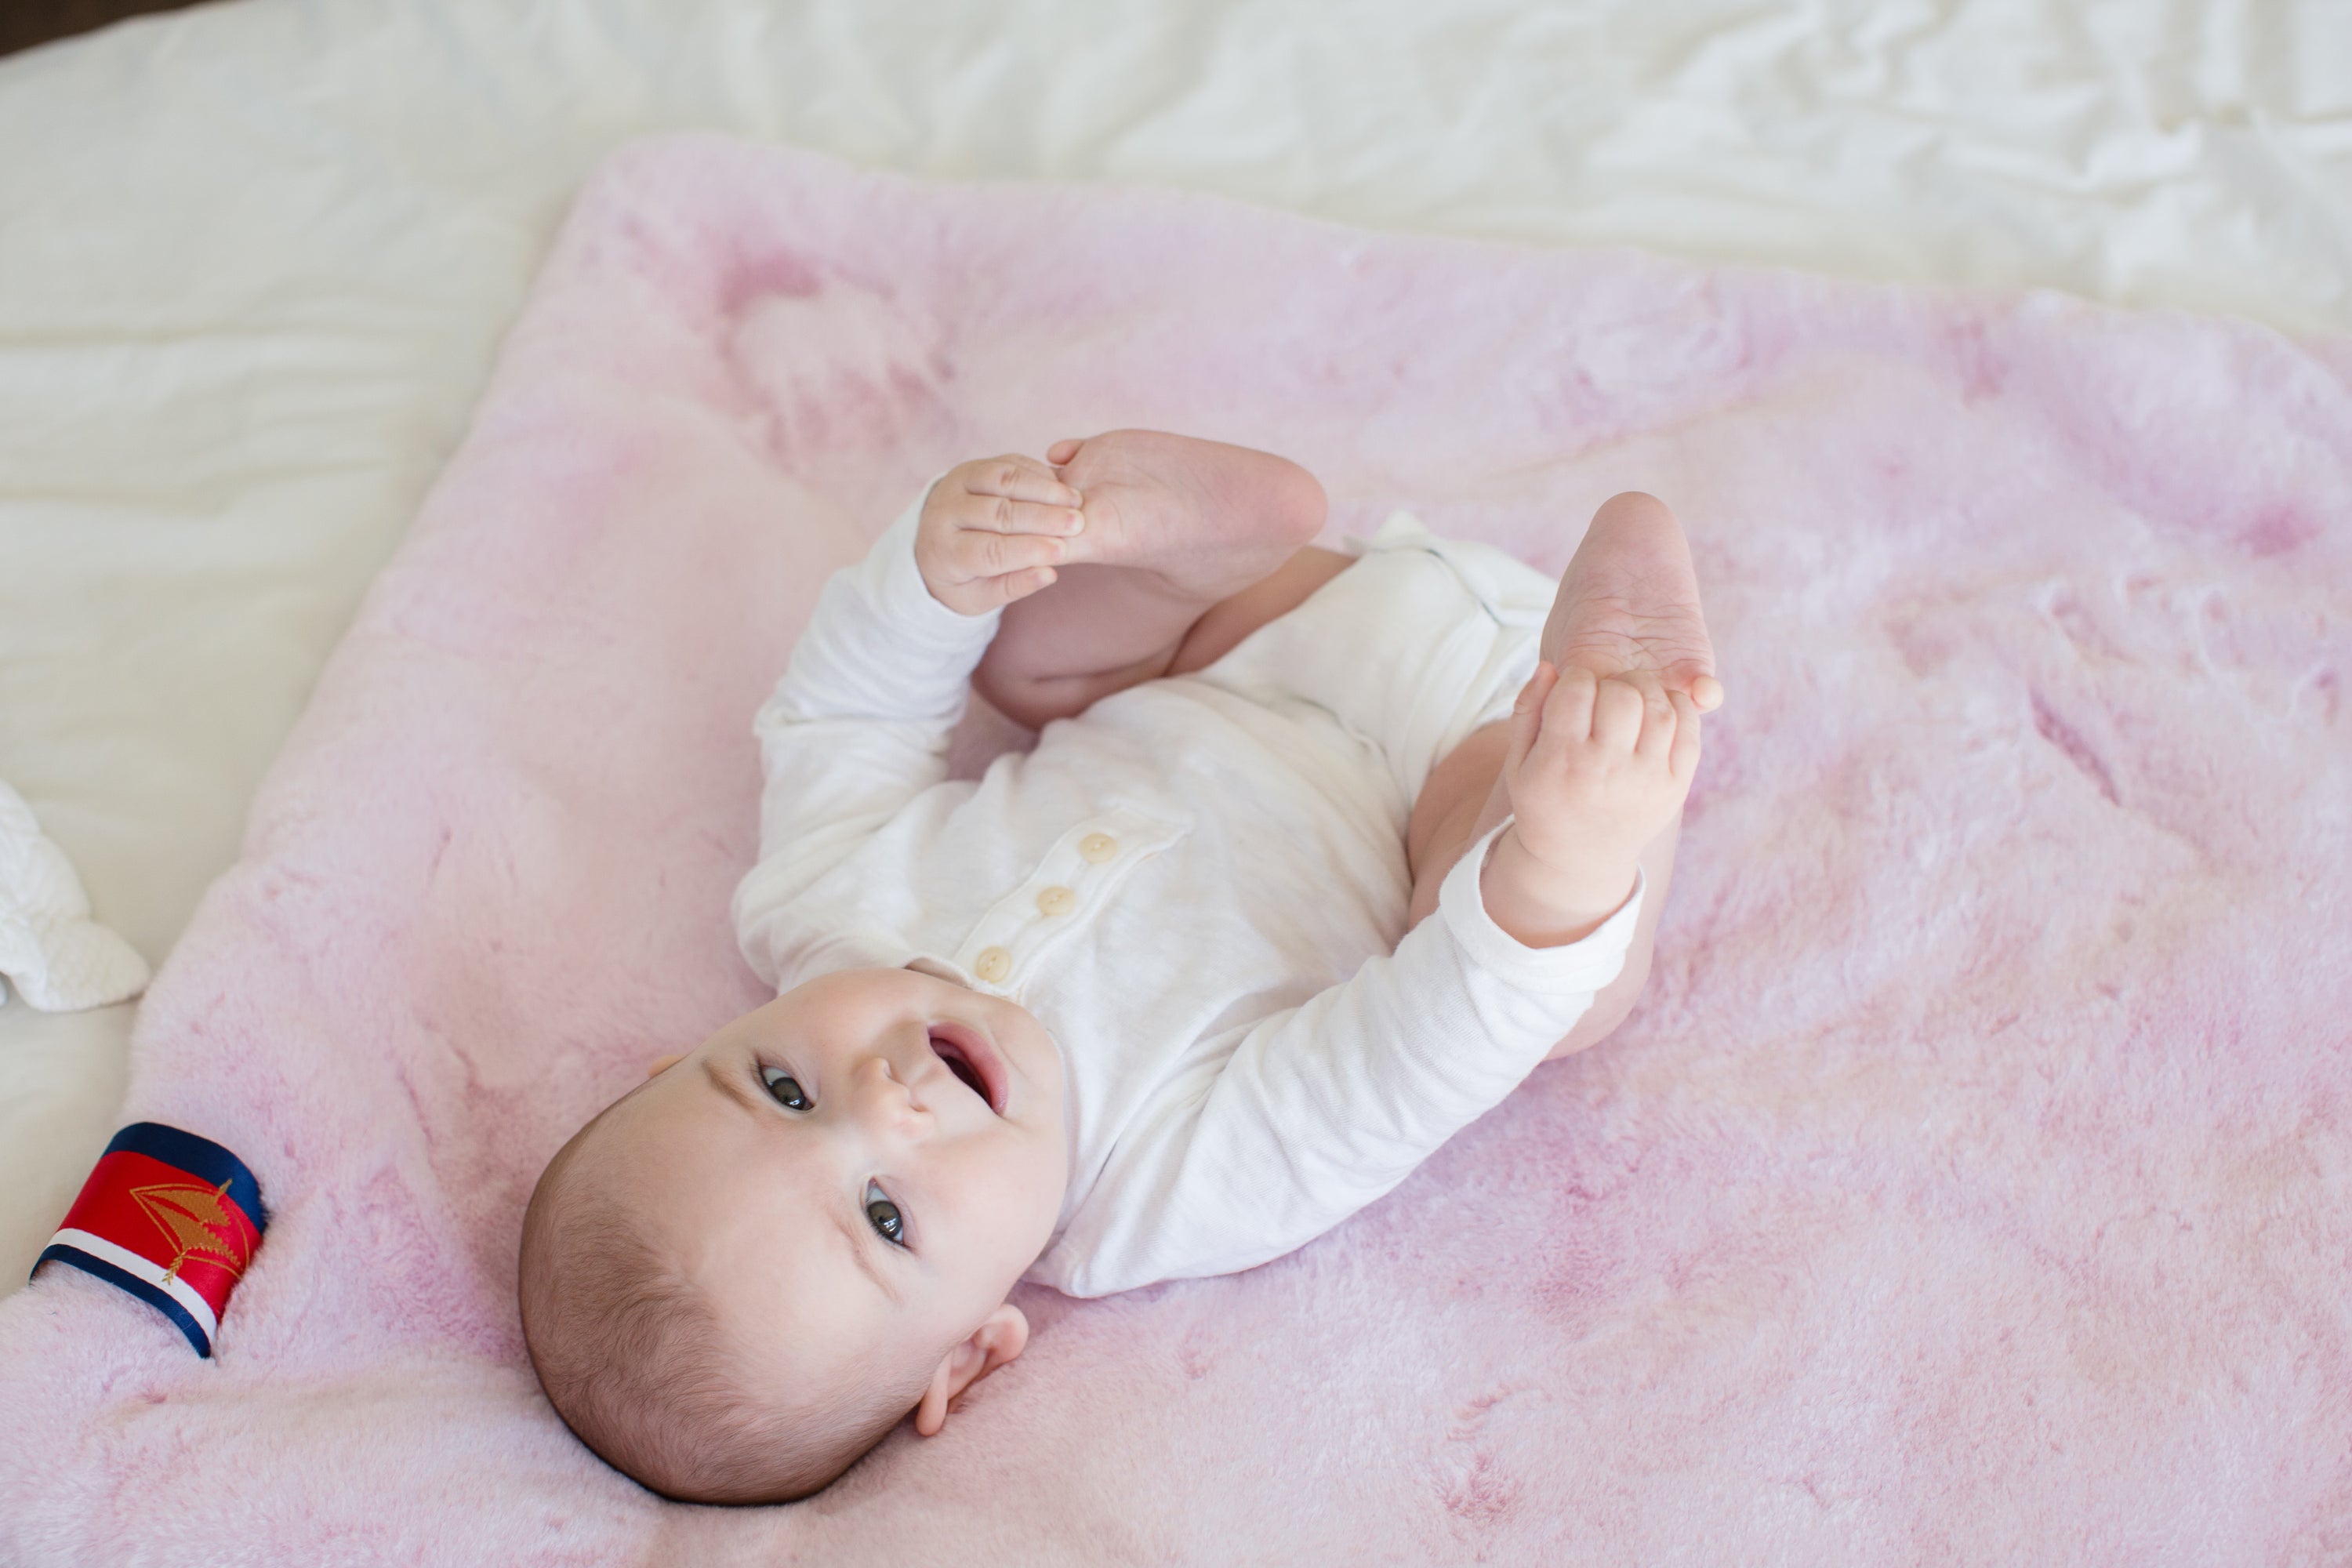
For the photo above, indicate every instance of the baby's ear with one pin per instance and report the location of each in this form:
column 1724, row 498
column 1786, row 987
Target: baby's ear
column 1001, row 1338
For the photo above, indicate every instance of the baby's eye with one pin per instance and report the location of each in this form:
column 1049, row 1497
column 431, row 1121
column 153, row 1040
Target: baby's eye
column 883, row 1216
column 786, row 1087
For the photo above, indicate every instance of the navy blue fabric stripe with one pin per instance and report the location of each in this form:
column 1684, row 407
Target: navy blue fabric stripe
column 199, row 1157
column 58, row 1252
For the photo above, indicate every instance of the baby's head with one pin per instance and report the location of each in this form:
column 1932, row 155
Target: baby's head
column 744, row 1272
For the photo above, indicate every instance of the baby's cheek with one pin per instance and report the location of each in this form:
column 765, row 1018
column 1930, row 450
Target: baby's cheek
column 1014, row 1198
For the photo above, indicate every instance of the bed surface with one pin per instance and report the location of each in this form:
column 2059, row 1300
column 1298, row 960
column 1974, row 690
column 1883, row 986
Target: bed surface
column 1968, row 1187
column 255, row 259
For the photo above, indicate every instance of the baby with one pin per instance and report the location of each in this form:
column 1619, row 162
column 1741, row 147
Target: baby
column 1317, row 858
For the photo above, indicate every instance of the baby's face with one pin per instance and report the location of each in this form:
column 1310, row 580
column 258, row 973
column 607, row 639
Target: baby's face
column 862, row 1167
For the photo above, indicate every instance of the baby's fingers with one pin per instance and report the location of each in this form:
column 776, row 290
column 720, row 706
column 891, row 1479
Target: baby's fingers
column 1617, row 712
column 1012, row 585
column 1659, row 716
column 1527, row 715
column 1562, row 722
column 1568, row 709
column 997, row 514
column 1015, row 476
column 1682, row 758
column 983, row 555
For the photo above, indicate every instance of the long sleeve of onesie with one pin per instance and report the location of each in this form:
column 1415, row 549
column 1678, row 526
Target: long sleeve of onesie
column 858, row 727
column 1325, row 1108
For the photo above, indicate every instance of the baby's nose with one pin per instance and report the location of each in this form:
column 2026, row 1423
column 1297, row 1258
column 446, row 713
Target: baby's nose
column 884, row 1101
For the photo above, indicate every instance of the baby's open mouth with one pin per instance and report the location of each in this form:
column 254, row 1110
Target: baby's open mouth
column 973, row 1061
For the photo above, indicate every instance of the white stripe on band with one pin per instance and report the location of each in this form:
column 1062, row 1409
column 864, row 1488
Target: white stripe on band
column 140, row 1268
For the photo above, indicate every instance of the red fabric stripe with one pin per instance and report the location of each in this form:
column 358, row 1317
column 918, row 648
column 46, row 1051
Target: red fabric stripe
column 168, row 1216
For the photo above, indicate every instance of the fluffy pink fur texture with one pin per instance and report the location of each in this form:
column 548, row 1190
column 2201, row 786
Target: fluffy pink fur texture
column 1972, row 1185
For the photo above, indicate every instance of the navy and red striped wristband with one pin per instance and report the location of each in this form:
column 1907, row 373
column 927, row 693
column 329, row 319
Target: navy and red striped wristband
column 170, row 1217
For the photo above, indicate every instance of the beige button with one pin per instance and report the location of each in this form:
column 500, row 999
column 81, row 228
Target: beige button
column 1097, row 847
column 993, row 965
column 1056, row 901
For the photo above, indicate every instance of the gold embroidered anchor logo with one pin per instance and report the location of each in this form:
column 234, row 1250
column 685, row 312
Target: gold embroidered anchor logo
column 199, row 1224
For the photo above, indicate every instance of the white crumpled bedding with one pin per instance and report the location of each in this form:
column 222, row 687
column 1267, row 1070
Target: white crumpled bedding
column 52, row 954
column 255, row 259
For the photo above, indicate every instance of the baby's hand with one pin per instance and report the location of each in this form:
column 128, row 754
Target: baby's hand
column 990, row 532
column 1598, row 766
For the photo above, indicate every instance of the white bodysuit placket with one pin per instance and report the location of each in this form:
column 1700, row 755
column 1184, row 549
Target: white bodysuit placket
column 1061, row 897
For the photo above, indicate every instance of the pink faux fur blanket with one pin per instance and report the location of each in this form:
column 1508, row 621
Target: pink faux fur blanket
column 1970, row 1186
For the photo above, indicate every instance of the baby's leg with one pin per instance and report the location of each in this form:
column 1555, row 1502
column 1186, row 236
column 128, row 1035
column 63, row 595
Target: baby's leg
column 1629, row 601
column 1188, row 546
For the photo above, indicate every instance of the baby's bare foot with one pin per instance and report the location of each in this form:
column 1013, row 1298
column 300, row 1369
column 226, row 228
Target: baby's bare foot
column 1208, row 517
column 1629, row 602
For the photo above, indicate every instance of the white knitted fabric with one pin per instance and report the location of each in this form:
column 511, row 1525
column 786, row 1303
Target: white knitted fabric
column 55, row 956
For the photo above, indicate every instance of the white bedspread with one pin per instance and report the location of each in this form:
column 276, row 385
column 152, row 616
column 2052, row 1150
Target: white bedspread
column 254, row 258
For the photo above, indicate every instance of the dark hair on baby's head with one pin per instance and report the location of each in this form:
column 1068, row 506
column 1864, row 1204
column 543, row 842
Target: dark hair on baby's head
column 641, row 1369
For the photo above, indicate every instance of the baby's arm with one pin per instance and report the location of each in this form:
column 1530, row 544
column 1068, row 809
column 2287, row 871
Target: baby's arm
column 859, row 724
column 1321, row 1110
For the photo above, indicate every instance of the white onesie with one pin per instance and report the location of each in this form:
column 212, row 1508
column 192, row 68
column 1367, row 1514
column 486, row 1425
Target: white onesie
column 1198, row 886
